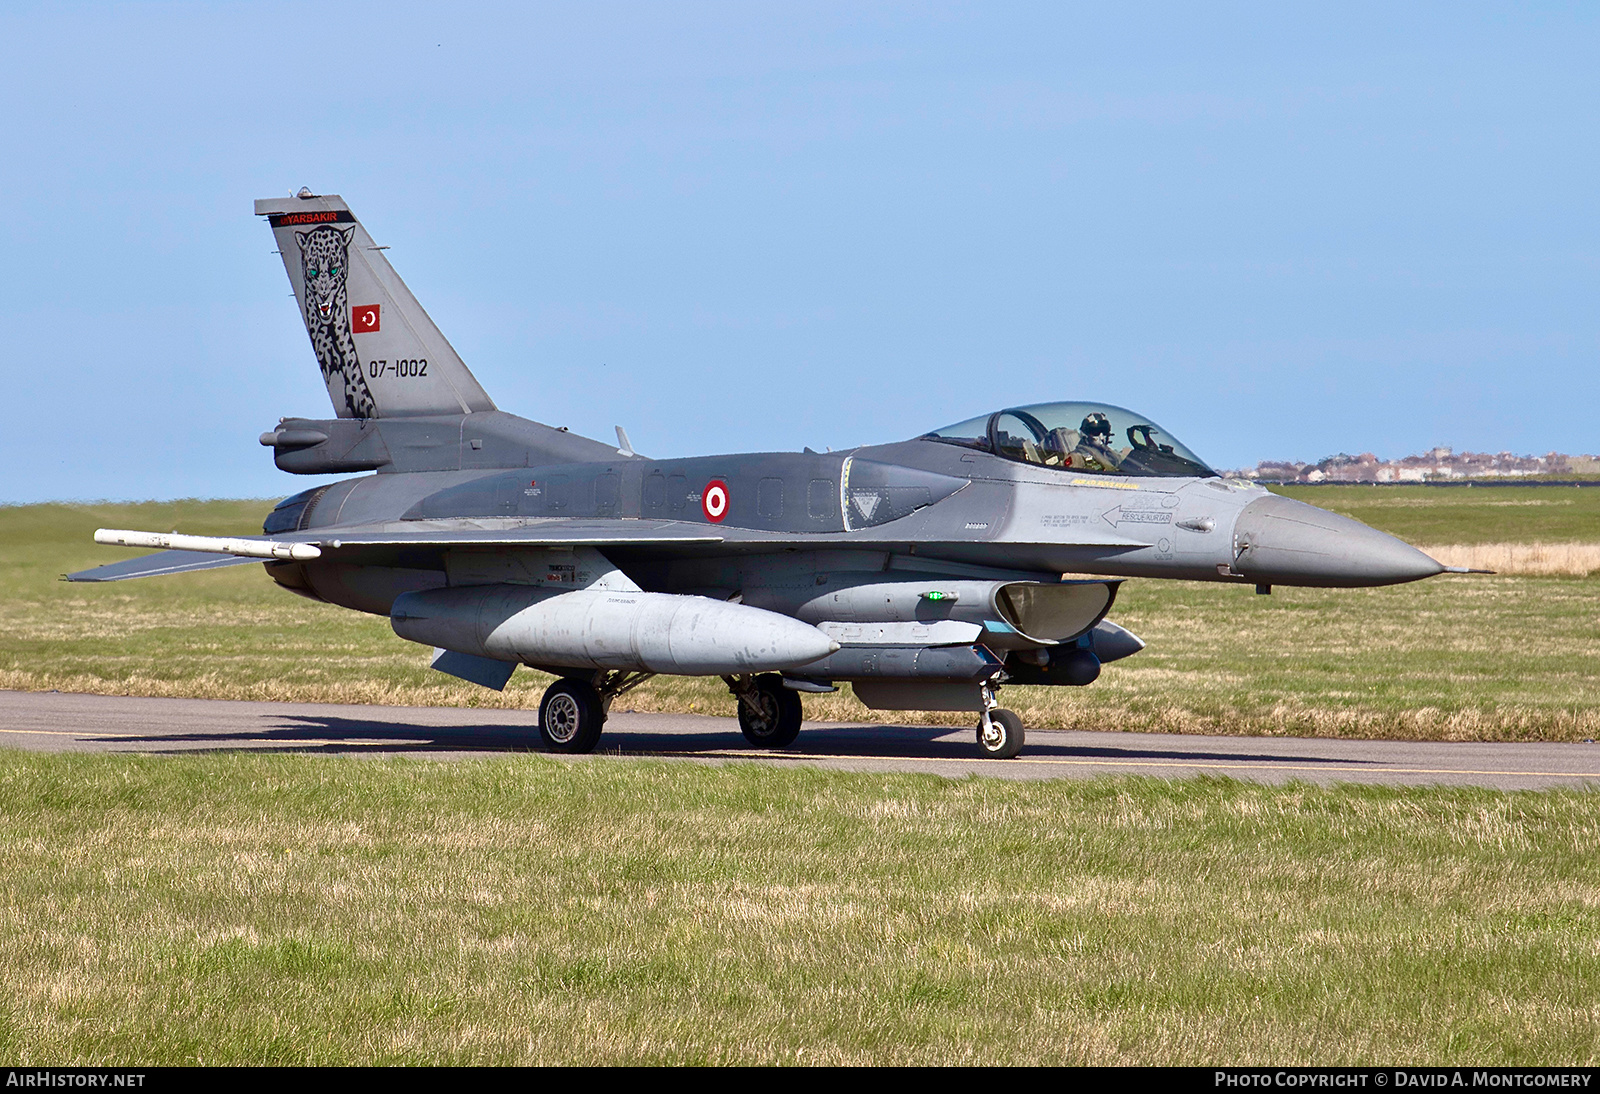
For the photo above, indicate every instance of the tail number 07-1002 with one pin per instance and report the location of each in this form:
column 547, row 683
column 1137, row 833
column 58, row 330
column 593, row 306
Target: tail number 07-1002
column 415, row 367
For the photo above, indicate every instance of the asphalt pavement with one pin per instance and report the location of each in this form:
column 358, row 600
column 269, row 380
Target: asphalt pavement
column 57, row 722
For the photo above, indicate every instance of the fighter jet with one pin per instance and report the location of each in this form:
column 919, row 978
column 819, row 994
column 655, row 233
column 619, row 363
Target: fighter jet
column 927, row 572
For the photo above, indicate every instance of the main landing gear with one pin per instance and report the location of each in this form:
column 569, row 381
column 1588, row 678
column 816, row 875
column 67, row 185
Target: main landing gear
column 1000, row 732
column 573, row 710
column 769, row 713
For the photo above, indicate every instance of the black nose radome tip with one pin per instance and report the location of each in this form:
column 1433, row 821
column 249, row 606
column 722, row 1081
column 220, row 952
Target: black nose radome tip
column 1285, row 542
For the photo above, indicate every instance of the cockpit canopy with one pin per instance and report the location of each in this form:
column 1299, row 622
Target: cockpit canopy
column 1089, row 437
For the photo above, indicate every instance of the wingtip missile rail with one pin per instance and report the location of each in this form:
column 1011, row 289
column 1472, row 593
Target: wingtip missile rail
column 216, row 545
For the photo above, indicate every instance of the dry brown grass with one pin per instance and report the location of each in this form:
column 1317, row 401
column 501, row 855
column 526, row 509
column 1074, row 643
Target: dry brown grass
column 1529, row 559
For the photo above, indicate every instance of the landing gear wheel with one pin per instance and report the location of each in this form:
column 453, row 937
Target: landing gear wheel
column 1000, row 734
column 769, row 713
column 571, row 716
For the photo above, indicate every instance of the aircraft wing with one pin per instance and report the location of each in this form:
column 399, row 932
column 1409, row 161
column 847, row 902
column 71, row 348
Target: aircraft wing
column 386, row 544
column 509, row 531
column 418, row 543
column 628, row 532
column 394, row 542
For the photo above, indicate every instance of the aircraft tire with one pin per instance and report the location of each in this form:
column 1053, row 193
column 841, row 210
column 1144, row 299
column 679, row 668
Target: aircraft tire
column 775, row 722
column 571, row 716
column 1006, row 737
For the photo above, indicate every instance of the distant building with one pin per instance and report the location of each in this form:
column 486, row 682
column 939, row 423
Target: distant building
column 1439, row 463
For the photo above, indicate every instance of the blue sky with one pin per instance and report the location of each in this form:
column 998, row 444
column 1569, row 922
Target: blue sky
column 1279, row 230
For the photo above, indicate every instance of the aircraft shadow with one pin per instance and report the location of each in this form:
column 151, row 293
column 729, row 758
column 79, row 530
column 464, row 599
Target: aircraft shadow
column 355, row 735
column 332, row 734
column 949, row 743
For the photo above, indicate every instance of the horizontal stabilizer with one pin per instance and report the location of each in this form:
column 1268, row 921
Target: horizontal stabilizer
column 158, row 565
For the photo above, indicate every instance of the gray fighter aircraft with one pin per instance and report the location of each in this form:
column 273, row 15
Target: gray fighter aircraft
column 926, row 572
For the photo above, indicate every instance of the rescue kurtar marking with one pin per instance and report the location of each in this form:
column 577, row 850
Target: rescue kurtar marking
column 927, row 571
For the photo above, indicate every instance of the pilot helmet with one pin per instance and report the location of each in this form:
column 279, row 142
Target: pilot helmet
column 1096, row 425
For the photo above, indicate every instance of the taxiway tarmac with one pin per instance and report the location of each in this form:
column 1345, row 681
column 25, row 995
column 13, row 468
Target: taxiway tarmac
column 52, row 721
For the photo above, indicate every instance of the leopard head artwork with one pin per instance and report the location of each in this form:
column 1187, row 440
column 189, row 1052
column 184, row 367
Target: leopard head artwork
column 324, row 262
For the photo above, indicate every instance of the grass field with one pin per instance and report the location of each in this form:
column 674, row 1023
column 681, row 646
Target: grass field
column 295, row 909
column 1512, row 656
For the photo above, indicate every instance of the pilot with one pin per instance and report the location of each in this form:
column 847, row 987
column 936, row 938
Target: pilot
column 1094, row 443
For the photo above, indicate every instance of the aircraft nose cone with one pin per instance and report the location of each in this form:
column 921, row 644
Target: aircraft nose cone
column 1281, row 541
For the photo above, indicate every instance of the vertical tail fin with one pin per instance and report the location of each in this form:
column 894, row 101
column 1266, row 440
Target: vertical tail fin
column 380, row 354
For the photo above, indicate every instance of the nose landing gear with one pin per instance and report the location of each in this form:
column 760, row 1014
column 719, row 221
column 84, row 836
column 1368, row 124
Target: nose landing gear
column 1000, row 732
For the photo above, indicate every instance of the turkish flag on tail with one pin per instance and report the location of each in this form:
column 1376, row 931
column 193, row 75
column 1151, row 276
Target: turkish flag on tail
column 364, row 320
